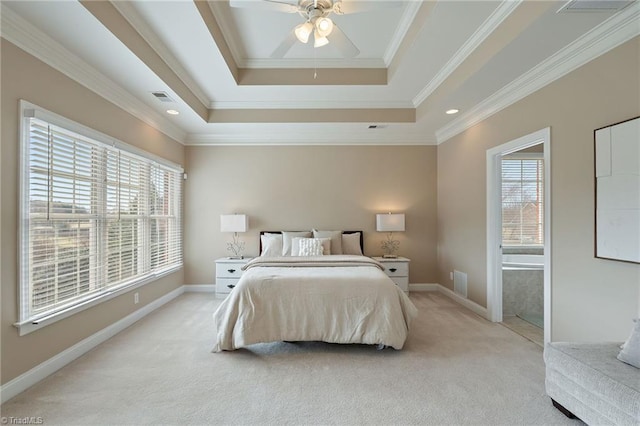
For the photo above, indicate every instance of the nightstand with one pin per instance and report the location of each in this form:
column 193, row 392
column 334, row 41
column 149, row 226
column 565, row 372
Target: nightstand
column 228, row 272
column 397, row 268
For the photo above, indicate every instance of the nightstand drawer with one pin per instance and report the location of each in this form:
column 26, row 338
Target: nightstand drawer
column 229, row 270
column 228, row 273
column 225, row 285
column 402, row 282
column 396, row 269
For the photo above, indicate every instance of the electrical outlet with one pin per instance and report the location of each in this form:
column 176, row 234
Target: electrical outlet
column 136, row 298
column 451, row 275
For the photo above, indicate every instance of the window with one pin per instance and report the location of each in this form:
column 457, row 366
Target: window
column 522, row 201
column 97, row 216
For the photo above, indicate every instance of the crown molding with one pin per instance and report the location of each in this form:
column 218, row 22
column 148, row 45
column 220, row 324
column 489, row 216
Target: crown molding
column 35, row 42
column 237, row 53
column 375, row 137
column 309, row 105
column 132, row 16
column 408, row 16
column 477, row 38
column 621, row 27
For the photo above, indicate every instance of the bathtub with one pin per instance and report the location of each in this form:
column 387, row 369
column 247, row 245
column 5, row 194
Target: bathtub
column 522, row 261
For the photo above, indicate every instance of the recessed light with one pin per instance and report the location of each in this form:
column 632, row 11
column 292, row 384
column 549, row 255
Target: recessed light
column 173, row 112
column 452, row 111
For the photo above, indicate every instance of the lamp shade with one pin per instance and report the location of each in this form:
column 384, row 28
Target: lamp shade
column 319, row 40
column 390, row 222
column 303, row 31
column 233, row 223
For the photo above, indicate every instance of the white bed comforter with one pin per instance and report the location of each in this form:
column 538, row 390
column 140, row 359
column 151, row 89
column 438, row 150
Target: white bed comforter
column 337, row 299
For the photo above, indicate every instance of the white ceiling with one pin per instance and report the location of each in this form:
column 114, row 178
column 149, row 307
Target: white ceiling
column 477, row 56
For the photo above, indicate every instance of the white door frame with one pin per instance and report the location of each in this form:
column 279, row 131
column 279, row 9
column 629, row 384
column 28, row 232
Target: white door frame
column 494, row 224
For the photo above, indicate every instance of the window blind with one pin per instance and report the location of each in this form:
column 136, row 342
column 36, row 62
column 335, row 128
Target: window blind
column 522, row 201
column 95, row 219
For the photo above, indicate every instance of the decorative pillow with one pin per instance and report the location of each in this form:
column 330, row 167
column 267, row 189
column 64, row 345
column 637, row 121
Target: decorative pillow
column 631, row 352
column 271, row 245
column 351, row 244
column 625, row 342
column 287, row 237
column 325, row 242
column 336, row 239
column 309, row 247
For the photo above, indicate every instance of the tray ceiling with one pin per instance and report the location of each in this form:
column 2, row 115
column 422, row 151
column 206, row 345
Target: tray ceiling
column 417, row 59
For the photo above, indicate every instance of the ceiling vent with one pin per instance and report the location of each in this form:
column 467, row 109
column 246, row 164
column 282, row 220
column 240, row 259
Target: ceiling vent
column 162, row 96
column 594, row 5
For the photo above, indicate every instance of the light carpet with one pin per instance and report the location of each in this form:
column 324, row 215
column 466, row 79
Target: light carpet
column 456, row 368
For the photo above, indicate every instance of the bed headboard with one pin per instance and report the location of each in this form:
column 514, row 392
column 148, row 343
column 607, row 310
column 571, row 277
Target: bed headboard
column 344, row 232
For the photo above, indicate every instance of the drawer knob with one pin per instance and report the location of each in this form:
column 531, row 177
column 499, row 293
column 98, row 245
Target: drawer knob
column 231, row 271
column 231, row 285
column 393, row 269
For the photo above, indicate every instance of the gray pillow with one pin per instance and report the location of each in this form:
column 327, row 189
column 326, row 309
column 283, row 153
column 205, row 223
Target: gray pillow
column 287, row 237
column 631, row 351
column 336, row 239
column 351, row 244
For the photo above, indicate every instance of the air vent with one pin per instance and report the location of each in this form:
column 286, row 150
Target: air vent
column 594, row 5
column 162, row 96
column 460, row 283
column 376, row 126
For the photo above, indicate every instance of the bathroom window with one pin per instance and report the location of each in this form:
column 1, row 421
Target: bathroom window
column 522, row 200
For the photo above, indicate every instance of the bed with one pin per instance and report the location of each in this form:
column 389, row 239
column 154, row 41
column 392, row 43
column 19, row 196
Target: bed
column 334, row 298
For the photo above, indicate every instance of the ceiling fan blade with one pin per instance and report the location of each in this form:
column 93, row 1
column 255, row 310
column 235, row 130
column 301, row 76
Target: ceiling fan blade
column 346, row 7
column 343, row 43
column 285, row 46
column 272, row 5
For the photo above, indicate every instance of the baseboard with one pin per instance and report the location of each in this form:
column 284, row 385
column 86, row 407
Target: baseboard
column 200, row 288
column 472, row 306
column 50, row 366
column 423, row 287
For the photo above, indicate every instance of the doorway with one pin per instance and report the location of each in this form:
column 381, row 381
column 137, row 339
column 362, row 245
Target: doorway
column 516, row 260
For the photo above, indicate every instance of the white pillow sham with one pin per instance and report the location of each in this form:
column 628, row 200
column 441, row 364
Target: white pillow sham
column 271, row 245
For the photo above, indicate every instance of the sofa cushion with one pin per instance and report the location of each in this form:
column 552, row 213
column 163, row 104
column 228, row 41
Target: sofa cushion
column 591, row 373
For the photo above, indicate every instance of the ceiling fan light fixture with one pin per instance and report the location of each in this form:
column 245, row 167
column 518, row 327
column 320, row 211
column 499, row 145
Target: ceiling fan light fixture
column 303, row 31
column 319, row 40
column 324, row 26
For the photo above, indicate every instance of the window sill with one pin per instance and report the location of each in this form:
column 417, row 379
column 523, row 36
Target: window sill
column 36, row 323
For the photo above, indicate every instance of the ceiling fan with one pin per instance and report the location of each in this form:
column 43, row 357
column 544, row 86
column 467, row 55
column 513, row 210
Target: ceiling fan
column 317, row 22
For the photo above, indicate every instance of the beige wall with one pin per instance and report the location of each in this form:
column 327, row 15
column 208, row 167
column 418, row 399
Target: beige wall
column 301, row 187
column 592, row 299
column 24, row 77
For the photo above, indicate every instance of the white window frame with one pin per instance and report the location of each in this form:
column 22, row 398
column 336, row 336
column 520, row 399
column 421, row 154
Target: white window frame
column 28, row 322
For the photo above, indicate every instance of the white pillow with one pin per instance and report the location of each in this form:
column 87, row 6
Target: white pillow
column 295, row 245
column 309, row 247
column 631, row 352
column 287, row 237
column 351, row 244
column 336, row 239
column 271, row 245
